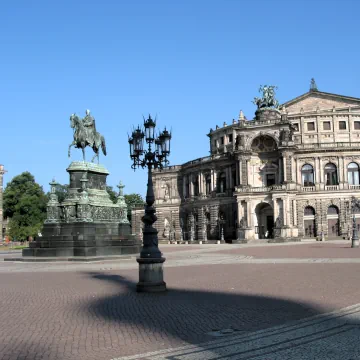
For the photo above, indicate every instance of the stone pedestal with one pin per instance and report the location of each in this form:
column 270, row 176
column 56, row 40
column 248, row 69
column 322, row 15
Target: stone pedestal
column 267, row 114
column 87, row 224
column 283, row 234
column 151, row 275
column 355, row 243
column 241, row 237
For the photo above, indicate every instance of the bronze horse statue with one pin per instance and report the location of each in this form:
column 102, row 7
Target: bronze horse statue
column 82, row 138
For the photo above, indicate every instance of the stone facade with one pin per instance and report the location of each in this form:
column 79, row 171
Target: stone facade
column 285, row 175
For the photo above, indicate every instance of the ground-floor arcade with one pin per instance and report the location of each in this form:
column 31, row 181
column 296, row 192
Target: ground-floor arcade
column 268, row 217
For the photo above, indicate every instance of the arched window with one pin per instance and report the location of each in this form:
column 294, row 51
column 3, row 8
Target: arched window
column 331, row 174
column 307, row 174
column 309, row 211
column 263, row 143
column 353, row 174
column 222, row 182
column 333, row 210
column 196, row 185
column 208, row 184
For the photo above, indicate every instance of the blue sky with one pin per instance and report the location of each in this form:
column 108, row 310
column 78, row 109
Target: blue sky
column 193, row 63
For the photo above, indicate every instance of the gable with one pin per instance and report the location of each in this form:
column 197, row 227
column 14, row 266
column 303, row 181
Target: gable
column 316, row 99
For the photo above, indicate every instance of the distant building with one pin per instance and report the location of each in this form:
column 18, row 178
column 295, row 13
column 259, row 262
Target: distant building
column 286, row 174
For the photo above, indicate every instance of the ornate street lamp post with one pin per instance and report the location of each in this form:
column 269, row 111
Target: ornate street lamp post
column 222, row 222
column 355, row 237
column 150, row 259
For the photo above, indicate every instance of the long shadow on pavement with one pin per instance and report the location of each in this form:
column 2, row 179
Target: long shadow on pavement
column 187, row 316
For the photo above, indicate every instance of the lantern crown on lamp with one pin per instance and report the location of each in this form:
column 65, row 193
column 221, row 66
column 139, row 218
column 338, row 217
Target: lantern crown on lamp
column 154, row 159
column 149, row 126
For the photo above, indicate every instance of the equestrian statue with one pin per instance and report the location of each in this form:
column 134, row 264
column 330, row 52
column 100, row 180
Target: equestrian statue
column 85, row 134
column 268, row 99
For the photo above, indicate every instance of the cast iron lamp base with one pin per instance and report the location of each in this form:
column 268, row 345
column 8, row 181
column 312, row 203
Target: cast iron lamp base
column 151, row 275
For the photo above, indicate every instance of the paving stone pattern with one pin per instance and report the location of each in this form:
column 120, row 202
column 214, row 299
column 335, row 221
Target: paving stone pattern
column 91, row 311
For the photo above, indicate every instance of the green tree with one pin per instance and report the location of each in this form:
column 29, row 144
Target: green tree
column 25, row 206
column 112, row 193
column 133, row 200
column 61, row 191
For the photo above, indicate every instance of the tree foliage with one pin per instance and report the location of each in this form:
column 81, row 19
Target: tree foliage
column 112, row 194
column 25, row 206
column 133, row 200
column 61, row 191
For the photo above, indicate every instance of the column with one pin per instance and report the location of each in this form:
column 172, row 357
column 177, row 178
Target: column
column 249, row 214
column 212, row 179
column 321, row 175
column 184, row 186
column 191, row 187
column 200, row 182
column 237, row 173
column 344, row 180
column 284, row 167
column 215, row 180
column 231, row 185
column 240, row 211
column 293, row 170
column 287, row 211
column 203, row 183
column 240, row 182
column 275, row 208
column 317, row 171
column 294, row 212
column 280, row 171
column 247, row 171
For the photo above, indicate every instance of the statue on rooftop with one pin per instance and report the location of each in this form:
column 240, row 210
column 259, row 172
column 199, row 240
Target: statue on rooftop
column 268, row 98
column 313, row 86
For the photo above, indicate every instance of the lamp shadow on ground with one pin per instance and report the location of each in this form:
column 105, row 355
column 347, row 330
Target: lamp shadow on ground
column 187, row 316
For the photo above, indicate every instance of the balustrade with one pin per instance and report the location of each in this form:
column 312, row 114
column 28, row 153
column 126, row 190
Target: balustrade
column 331, row 187
column 308, row 188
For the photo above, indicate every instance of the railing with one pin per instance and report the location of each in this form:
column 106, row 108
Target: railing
column 308, row 188
column 354, row 187
column 331, row 187
column 261, row 189
column 329, row 145
column 205, row 159
column 252, row 123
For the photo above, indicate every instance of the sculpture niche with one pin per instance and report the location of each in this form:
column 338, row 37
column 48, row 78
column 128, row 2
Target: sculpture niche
column 85, row 134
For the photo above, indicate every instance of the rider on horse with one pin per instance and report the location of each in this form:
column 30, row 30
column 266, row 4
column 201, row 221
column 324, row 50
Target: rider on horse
column 89, row 123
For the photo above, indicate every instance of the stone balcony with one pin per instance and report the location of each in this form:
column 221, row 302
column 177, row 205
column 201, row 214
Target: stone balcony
column 329, row 145
column 261, row 189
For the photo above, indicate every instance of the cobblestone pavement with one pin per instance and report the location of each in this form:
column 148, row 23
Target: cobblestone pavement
column 330, row 336
column 216, row 300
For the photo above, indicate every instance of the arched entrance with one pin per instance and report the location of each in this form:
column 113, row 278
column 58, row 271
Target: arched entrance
column 333, row 221
column 264, row 221
column 309, row 222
